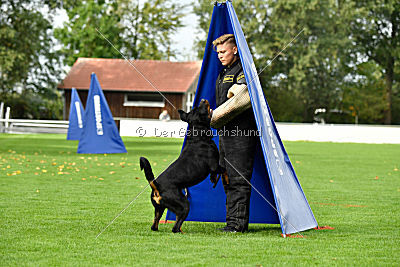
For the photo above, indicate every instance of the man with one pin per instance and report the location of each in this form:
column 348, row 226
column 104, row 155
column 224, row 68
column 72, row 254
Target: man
column 237, row 147
column 164, row 116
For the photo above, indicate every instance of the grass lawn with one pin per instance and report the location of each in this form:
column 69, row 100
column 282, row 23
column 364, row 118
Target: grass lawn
column 54, row 202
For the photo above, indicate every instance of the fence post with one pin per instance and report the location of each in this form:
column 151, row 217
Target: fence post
column 1, row 116
column 7, row 117
column 1, row 110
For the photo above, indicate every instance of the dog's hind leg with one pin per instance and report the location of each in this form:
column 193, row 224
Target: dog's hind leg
column 179, row 205
column 158, row 212
column 182, row 215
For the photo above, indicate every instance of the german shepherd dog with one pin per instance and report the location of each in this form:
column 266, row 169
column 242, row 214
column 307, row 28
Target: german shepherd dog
column 198, row 159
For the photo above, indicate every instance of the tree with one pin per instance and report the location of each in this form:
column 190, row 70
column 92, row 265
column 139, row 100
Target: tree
column 375, row 29
column 396, row 94
column 138, row 31
column 309, row 73
column 363, row 96
column 148, row 28
column 29, row 63
column 324, row 67
column 27, row 56
column 314, row 67
column 79, row 36
column 251, row 13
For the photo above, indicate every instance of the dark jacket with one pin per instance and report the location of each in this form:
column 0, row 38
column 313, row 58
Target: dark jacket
column 229, row 76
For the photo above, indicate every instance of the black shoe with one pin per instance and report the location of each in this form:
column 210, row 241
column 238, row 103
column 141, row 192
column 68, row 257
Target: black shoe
column 228, row 229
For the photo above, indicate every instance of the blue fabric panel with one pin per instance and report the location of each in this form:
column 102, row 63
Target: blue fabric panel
column 208, row 204
column 293, row 209
column 100, row 134
column 262, row 208
column 76, row 117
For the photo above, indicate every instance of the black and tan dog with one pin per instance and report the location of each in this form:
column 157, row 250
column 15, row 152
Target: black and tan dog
column 198, row 159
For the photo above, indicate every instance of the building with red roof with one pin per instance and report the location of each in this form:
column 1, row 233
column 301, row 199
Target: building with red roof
column 137, row 88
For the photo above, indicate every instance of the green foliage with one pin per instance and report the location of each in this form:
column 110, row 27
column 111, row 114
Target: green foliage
column 364, row 97
column 28, row 60
column 251, row 13
column 323, row 68
column 140, row 31
column 375, row 29
column 396, row 94
column 55, row 202
column 31, row 105
column 30, row 68
column 148, row 28
column 203, row 11
column 27, row 57
column 79, row 35
column 313, row 67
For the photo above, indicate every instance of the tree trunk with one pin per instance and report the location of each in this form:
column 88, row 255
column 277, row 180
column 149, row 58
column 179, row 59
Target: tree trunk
column 389, row 83
column 389, row 68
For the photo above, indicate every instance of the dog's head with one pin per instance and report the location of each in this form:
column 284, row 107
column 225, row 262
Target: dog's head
column 198, row 116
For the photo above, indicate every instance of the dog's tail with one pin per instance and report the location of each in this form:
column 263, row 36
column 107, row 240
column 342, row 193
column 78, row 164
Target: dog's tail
column 145, row 164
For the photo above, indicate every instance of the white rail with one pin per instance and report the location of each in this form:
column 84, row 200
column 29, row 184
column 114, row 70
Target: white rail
column 378, row 134
column 175, row 128
column 9, row 125
column 23, row 125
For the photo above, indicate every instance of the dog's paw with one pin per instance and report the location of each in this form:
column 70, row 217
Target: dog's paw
column 213, row 179
column 176, row 231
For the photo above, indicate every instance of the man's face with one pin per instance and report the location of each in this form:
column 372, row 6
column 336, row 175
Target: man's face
column 226, row 53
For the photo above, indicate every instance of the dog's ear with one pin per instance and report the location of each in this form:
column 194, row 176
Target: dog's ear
column 183, row 115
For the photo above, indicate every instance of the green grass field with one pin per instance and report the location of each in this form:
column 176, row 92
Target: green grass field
column 54, row 202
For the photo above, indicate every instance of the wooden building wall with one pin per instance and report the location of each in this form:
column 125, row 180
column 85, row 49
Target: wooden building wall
column 115, row 101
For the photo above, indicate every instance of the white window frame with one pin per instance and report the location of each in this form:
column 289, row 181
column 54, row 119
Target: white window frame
column 158, row 104
column 189, row 101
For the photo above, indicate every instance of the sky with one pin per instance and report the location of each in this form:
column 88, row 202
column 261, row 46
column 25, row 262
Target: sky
column 183, row 38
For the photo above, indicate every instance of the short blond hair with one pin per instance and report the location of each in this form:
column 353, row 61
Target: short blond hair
column 226, row 38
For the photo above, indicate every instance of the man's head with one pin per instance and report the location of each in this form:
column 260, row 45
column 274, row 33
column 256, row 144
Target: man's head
column 226, row 48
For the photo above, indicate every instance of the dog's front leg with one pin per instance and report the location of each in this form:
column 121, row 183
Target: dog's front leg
column 222, row 172
column 214, row 178
column 216, row 175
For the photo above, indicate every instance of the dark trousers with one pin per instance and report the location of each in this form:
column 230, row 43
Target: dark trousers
column 237, row 156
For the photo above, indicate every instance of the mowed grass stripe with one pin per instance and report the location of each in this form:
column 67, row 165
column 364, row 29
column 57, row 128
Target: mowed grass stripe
column 54, row 202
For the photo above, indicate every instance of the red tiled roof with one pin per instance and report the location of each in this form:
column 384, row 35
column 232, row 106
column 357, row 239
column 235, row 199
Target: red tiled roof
column 119, row 75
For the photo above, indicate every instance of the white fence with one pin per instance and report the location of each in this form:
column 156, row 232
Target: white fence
column 152, row 128
column 287, row 131
column 8, row 125
column 378, row 134
column 33, row 126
